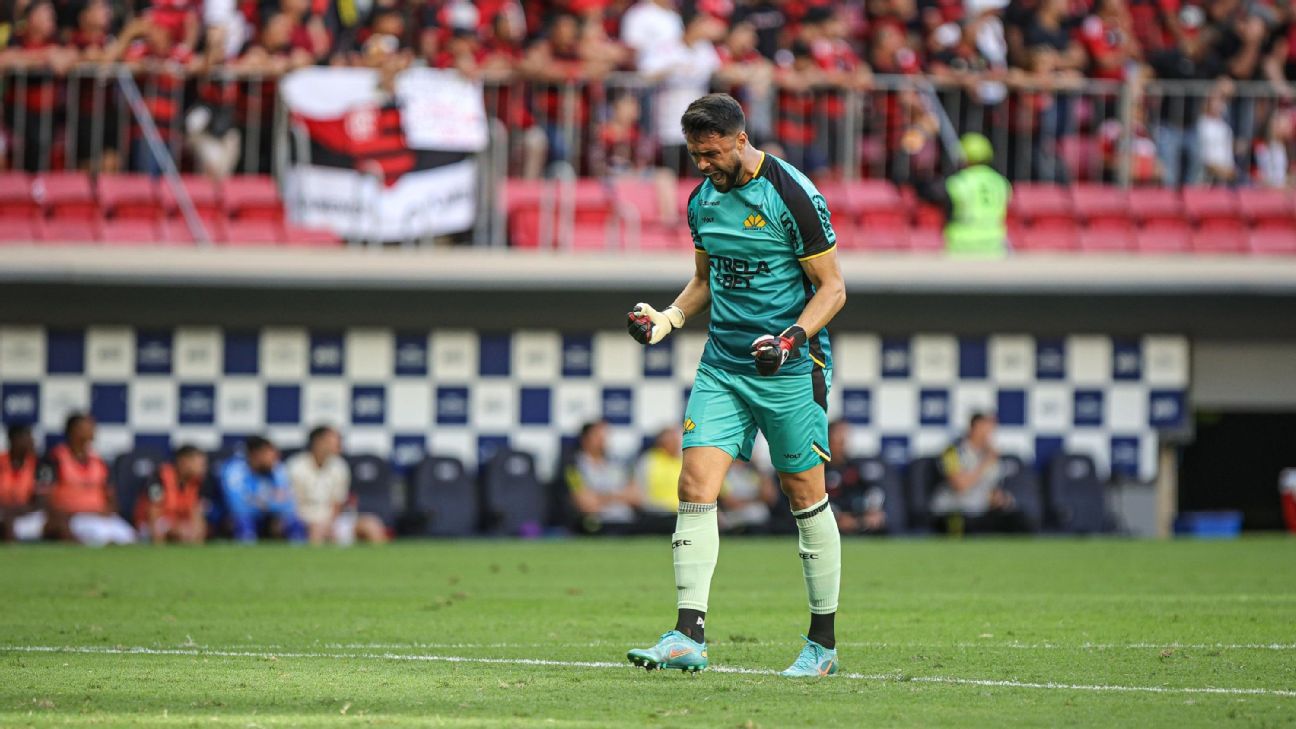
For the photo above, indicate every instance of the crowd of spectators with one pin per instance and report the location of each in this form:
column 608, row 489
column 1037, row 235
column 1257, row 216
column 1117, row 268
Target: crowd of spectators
column 1011, row 64
column 69, row 494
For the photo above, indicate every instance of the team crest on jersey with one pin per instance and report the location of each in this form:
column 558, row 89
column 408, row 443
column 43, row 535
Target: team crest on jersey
column 689, row 425
column 754, row 221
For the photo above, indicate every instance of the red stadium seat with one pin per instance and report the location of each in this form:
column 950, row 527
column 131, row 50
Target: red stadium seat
column 874, row 206
column 1164, row 239
column 522, row 206
column 1220, row 237
column 1155, row 205
column 1051, row 236
column 204, row 193
column 1036, row 202
column 1082, row 156
column 295, row 235
column 1205, row 204
column 928, row 217
column 1107, row 240
column 1269, row 241
column 129, row 196
column 131, row 230
column 67, row 195
column 926, row 240
column 1268, row 208
column 252, row 196
column 176, row 230
column 20, row 230
column 1101, row 204
column 17, row 199
column 253, row 232
column 60, row 230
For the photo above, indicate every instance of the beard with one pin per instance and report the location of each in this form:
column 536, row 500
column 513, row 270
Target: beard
column 726, row 180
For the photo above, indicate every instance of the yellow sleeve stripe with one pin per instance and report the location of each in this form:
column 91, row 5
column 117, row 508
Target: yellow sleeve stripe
column 824, row 252
column 816, row 361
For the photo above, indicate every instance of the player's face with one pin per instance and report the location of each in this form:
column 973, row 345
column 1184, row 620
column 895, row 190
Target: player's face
column 192, row 466
column 719, row 158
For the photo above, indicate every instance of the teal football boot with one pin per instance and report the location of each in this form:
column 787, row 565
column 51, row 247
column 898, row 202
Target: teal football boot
column 814, row 661
column 674, row 650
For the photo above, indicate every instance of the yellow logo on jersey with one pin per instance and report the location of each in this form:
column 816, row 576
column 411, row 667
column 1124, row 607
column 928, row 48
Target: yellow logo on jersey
column 689, row 425
column 754, row 221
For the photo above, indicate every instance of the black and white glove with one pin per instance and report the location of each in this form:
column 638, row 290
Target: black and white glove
column 649, row 326
column 770, row 352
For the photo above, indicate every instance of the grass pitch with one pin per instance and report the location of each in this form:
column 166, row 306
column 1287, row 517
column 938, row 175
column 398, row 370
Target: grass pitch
column 491, row 634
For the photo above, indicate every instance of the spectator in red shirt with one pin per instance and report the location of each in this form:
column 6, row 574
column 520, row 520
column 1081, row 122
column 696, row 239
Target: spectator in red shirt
column 97, row 110
column 171, row 509
column 21, row 517
column 273, row 51
column 559, row 63
column 623, row 148
column 83, row 506
column 36, row 52
column 308, row 33
column 161, row 66
column 1108, row 37
column 747, row 76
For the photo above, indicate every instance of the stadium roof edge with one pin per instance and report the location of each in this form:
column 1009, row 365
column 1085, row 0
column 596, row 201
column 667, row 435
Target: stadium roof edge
column 475, row 269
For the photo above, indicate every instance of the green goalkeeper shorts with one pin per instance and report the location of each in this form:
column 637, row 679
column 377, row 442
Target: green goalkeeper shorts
column 725, row 409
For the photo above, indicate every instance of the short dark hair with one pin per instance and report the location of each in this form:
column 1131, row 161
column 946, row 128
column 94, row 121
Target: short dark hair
column 978, row 417
column 587, row 428
column 254, row 443
column 73, row 420
column 187, row 450
column 14, row 430
column 713, row 114
column 316, row 433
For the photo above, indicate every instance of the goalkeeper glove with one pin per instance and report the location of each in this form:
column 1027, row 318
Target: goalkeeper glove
column 770, row 352
column 649, row 326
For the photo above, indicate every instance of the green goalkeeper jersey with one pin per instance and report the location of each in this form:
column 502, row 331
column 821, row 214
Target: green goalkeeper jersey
column 756, row 236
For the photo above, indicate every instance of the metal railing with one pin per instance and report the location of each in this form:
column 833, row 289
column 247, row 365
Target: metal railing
column 79, row 120
column 1123, row 133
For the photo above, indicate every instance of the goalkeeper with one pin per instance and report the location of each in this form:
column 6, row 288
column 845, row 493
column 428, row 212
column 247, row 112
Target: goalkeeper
column 766, row 266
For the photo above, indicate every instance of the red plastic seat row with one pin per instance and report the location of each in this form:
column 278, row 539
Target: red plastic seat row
column 129, row 231
column 75, row 195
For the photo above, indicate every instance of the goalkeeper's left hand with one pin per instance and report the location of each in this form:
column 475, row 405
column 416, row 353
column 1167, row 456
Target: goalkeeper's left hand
column 770, row 352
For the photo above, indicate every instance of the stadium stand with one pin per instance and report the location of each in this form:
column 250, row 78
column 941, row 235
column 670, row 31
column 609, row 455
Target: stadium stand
column 442, row 499
column 512, row 493
column 1075, row 495
column 372, row 483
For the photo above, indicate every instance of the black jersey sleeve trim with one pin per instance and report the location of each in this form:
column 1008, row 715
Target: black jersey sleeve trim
column 692, row 218
column 810, row 223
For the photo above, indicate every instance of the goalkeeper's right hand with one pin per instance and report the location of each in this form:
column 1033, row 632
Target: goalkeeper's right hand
column 649, row 326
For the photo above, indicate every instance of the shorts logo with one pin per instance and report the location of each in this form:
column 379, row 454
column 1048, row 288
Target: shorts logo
column 791, row 456
column 754, row 221
column 681, row 543
column 689, row 425
column 807, row 555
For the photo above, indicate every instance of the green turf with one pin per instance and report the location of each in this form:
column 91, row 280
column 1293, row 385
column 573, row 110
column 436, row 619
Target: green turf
column 1097, row 613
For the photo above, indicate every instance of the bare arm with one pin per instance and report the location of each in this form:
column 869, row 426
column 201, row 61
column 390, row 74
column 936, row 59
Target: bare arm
column 696, row 296
column 824, row 272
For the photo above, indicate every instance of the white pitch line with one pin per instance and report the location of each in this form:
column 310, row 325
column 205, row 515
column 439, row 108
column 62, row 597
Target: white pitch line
column 881, row 677
column 881, row 645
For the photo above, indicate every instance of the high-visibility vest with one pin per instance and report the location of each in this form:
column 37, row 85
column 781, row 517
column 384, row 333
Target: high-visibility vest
column 17, row 484
column 978, row 209
column 79, row 486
